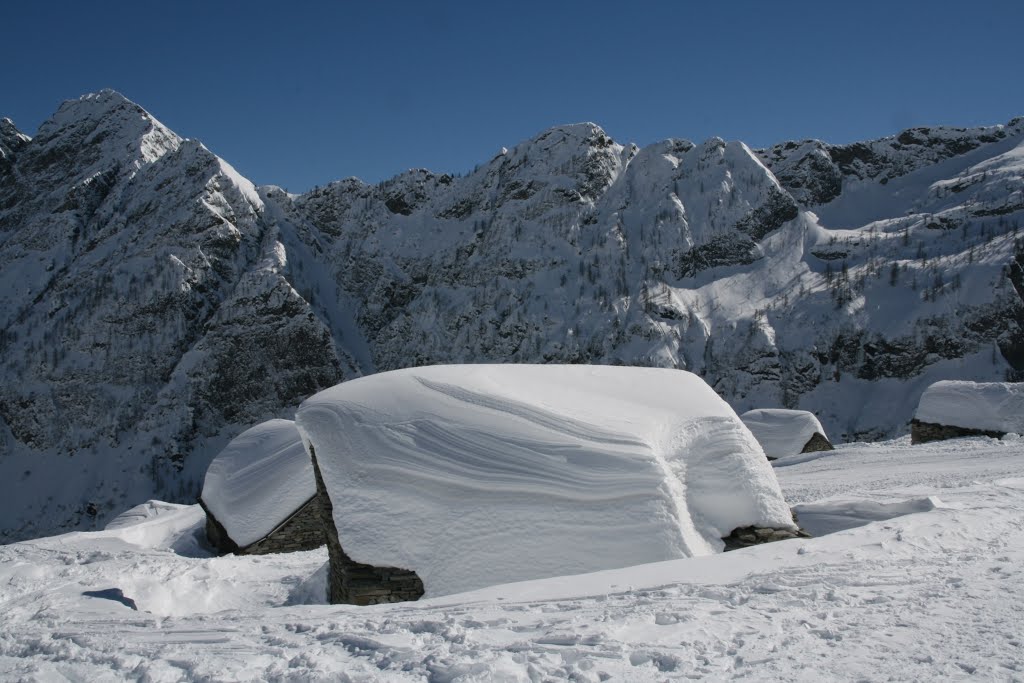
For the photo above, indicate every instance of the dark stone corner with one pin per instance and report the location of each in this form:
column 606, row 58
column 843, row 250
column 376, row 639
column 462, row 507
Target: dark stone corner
column 816, row 443
column 352, row 583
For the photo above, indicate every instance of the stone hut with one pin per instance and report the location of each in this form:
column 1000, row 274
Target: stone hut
column 954, row 409
column 786, row 432
column 445, row 479
column 260, row 495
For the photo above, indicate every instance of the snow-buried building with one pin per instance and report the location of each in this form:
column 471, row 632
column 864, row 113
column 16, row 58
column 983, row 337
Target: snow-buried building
column 475, row 475
column 260, row 495
column 786, row 432
column 952, row 409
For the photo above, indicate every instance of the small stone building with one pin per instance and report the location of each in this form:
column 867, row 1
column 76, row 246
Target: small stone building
column 444, row 479
column 260, row 496
column 786, row 432
column 954, row 409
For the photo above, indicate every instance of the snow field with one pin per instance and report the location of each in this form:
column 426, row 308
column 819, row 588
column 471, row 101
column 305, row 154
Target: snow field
column 484, row 474
column 936, row 594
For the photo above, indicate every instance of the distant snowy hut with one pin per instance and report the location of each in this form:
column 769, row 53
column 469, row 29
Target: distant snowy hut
column 786, row 432
column 952, row 409
column 260, row 495
column 446, row 479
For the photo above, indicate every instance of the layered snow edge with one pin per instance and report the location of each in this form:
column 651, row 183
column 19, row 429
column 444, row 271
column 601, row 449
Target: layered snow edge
column 484, row 474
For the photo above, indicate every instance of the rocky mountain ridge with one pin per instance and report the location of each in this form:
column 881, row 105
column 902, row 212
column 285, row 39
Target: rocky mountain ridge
column 155, row 303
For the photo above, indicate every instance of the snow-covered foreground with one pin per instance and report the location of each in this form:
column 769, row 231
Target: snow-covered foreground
column 935, row 592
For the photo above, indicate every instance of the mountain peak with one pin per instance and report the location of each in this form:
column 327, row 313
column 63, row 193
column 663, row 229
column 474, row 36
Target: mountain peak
column 586, row 133
column 92, row 106
column 105, row 126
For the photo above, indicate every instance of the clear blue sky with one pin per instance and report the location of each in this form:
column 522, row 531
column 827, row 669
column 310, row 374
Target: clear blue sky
column 299, row 94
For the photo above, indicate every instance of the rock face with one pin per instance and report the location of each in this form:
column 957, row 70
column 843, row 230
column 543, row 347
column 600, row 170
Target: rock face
column 153, row 303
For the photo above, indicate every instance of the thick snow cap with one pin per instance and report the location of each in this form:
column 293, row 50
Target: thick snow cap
column 990, row 406
column 782, row 432
column 261, row 478
column 476, row 475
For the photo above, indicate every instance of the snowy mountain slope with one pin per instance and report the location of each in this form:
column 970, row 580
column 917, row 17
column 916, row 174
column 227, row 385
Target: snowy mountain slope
column 154, row 304
column 11, row 140
column 924, row 583
column 815, row 172
column 696, row 256
column 504, row 266
column 144, row 308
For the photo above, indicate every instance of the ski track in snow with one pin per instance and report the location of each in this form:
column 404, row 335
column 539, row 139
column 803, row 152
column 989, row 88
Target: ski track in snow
column 934, row 595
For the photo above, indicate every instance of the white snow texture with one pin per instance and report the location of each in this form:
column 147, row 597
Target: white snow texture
column 992, row 406
column 782, row 432
column 259, row 480
column 483, row 474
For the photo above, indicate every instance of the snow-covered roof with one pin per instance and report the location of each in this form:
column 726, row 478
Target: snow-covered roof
column 992, row 406
column 782, row 432
column 476, row 475
column 259, row 480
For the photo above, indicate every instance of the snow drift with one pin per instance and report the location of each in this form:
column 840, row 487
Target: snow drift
column 782, row 432
column 484, row 474
column 986, row 406
column 261, row 478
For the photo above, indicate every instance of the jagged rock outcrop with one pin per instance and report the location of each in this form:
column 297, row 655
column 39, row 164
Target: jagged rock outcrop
column 814, row 171
column 153, row 304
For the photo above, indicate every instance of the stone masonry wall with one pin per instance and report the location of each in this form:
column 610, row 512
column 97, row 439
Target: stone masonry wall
column 923, row 432
column 304, row 530
column 350, row 582
column 817, row 442
column 216, row 534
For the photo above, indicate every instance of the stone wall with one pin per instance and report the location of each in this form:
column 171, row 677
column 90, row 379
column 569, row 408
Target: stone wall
column 817, row 442
column 923, row 432
column 350, row 582
column 746, row 536
column 216, row 534
column 303, row 530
